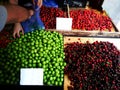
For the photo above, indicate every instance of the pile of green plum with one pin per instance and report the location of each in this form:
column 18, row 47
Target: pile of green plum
column 37, row 49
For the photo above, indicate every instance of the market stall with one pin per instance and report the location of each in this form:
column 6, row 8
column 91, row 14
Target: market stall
column 87, row 57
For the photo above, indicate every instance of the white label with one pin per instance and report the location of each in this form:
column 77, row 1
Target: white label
column 64, row 24
column 31, row 76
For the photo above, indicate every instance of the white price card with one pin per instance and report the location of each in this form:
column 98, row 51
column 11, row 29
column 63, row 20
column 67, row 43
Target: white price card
column 31, row 76
column 64, row 24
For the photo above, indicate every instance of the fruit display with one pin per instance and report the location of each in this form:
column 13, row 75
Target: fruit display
column 37, row 49
column 92, row 66
column 83, row 19
column 88, row 65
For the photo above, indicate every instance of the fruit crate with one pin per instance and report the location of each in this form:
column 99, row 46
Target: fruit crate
column 91, row 17
column 89, row 40
column 83, row 19
column 80, row 33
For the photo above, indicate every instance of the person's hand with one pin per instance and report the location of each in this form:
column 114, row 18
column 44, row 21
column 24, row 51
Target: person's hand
column 39, row 3
column 17, row 29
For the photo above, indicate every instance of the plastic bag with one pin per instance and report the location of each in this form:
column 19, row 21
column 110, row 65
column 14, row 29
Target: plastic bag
column 34, row 22
column 50, row 3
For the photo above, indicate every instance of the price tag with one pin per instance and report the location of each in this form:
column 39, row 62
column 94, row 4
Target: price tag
column 64, row 24
column 31, row 76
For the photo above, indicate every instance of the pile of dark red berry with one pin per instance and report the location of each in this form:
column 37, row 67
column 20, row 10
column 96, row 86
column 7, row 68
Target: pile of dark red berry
column 5, row 36
column 92, row 66
column 83, row 19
